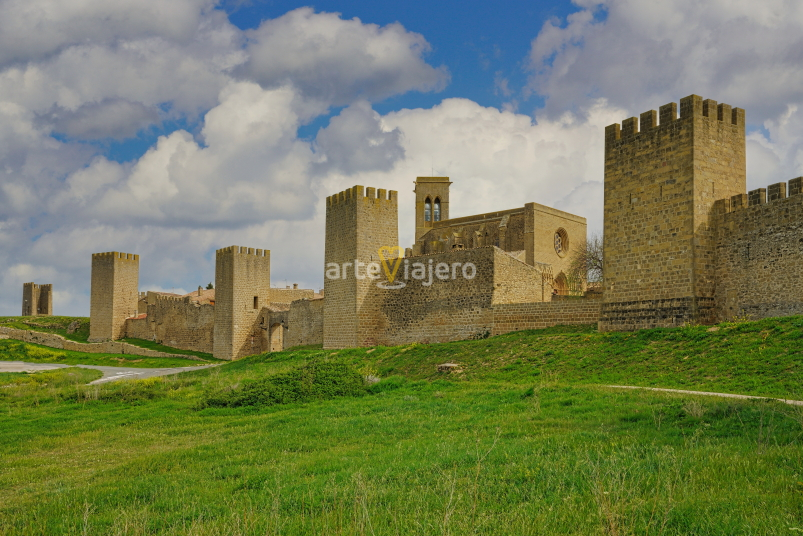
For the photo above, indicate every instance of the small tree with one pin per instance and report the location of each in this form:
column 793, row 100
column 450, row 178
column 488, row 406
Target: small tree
column 210, row 286
column 586, row 262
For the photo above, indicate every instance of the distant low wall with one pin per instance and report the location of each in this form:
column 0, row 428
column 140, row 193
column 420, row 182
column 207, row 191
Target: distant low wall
column 110, row 347
column 518, row 316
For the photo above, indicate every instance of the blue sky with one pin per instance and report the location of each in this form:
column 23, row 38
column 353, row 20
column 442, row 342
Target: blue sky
column 172, row 129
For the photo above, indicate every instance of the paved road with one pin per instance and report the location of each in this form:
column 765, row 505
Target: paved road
column 110, row 374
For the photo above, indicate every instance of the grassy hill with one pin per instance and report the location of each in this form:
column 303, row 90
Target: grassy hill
column 525, row 440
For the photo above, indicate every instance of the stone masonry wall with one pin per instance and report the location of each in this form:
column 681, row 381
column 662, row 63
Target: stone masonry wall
column 455, row 308
column 242, row 289
column 448, row 310
column 541, row 224
column 661, row 181
column 289, row 295
column 176, row 322
column 518, row 316
column 305, row 321
column 759, row 254
column 114, row 294
column 108, row 347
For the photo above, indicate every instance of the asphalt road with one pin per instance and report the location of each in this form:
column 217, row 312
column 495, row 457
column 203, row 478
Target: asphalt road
column 110, row 374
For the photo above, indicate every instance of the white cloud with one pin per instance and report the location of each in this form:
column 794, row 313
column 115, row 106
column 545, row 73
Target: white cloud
column 110, row 118
column 30, row 30
column 338, row 61
column 357, row 140
column 645, row 54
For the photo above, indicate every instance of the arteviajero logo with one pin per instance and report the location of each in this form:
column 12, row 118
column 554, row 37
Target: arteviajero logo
column 391, row 266
column 400, row 271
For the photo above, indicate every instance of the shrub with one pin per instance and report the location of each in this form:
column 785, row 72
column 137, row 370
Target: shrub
column 316, row 381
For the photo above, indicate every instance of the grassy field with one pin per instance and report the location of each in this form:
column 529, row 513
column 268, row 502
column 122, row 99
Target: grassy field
column 50, row 324
column 13, row 350
column 523, row 441
column 150, row 345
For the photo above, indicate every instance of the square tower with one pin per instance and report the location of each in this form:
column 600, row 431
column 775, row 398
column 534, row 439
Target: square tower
column 37, row 300
column 114, row 294
column 431, row 203
column 661, row 182
column 359, row 221
column 242, row 289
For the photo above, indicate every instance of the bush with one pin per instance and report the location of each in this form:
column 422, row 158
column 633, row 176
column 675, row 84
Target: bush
column 316, row 381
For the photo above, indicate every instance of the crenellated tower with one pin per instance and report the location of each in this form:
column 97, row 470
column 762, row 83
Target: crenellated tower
column 114, row 294
column 359, row 221
column 431, row 203
column 242, row 289
column 662, row 177
column 37, row 300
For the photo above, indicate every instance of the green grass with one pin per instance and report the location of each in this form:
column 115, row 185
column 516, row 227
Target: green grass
column 49, row 324
column 13, row 350
column 762, row 358
column 520, row 443
column 150, row 345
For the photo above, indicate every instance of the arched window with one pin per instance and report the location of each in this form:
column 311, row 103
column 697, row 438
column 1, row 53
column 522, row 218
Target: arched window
column 437, row 209
column 428, row 210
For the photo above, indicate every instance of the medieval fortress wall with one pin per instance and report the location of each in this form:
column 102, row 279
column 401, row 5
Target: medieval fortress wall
column 684, row 242
column 175, row 321
column 760, row 252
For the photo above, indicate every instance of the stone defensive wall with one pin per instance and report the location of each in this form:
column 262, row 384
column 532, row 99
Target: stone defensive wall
column 518, row 316
column 109, row 347
column 760, row 251
column 455, row 308
column 289, row 295
column 177, row 322
column 305, row 321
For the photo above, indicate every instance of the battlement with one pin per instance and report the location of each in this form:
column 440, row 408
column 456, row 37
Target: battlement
column 117, row 255
column 760, row 196
column 237, row 250
column 690, row 107
column 360, row 192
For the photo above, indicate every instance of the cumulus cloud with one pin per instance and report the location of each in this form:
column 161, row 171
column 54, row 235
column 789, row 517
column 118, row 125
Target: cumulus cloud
column 640, row 55
column 338, row 61
column 357, row 140
column 251, row 168
column 31, row 30
column 110, row 118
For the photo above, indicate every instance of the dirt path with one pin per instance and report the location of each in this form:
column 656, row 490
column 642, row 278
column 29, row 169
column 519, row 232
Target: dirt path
column 704, row 393
column 110, row 374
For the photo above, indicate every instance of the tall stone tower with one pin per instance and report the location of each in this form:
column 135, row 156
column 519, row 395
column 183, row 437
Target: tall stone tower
column 242, row 289
column 431, row 202
column 661, row 181
column 358, row 223
column 114, row 295
column 37, row 300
